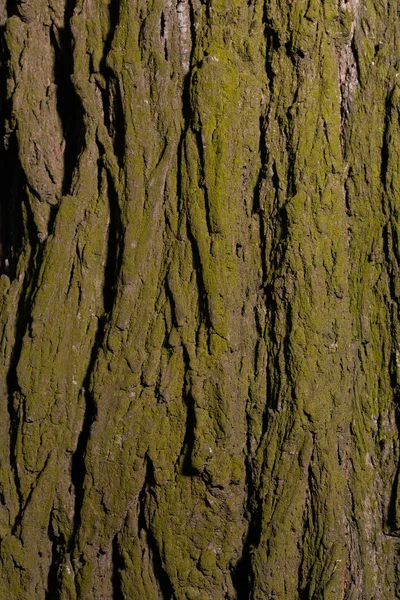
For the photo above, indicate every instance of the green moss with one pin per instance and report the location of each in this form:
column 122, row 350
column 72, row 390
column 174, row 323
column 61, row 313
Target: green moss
column 245, row 365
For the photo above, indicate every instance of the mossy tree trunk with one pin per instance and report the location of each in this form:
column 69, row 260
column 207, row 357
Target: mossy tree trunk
column 199, row 323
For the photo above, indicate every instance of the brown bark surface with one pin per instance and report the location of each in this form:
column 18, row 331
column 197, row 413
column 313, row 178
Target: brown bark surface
column 199, row 300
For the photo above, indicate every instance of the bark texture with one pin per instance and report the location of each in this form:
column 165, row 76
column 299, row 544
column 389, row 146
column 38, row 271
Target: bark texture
column 199, row 323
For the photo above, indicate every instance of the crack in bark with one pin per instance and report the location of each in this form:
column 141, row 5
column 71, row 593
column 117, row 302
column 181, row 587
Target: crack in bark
column 69, row 106
column 242, row 573
column 348, row 71
column 166, row 590
column 392, row 253
column 198, row 268
column 53, row 582
column 11, row 175
column 78, row 467
column 118, row 567
column 114, row 258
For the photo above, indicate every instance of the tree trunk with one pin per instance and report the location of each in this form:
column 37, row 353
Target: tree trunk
column 199, row 325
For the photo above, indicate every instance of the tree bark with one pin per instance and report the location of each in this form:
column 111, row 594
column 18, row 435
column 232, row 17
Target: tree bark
column 199, row 325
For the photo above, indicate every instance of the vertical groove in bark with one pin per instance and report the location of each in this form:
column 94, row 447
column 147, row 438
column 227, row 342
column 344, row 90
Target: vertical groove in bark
column 199, row 300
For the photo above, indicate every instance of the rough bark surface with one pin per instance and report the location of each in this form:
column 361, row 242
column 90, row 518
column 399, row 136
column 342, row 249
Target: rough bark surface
column 199, row 323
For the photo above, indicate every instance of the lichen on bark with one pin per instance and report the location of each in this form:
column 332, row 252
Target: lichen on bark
column 199, row 326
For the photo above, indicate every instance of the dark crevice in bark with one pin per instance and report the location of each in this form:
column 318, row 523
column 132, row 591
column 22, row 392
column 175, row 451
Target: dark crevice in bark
column 240, row 575
column 392, row 254
column 179, row 190
column 354, row 49
column 272, row 215
column 114, row 248
column 78, row 466
column 118, row 567
column 273, row 46
column 11, row 229
column 69, row 105
column 187, row 116
column 114, row 9
column 274, row 219
column 188, row 440
column 242, row 572
column 162, row 34
column 262, row 150
column 304, row 593
column 348, row 81
column 197, row 266
column 257, row 207
column 275, row 302
column 385, row 144
column 202, row 185
column 12, row 8
column 391, row 517
column 304, row 586
column 183, row 464
column 114, row 113
column 52, row 219
column 347, row 195
column 53, row 583
column 24, row 502
column 11, row 177
column 273, row 368
column 164, row 584
column 170, row 297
